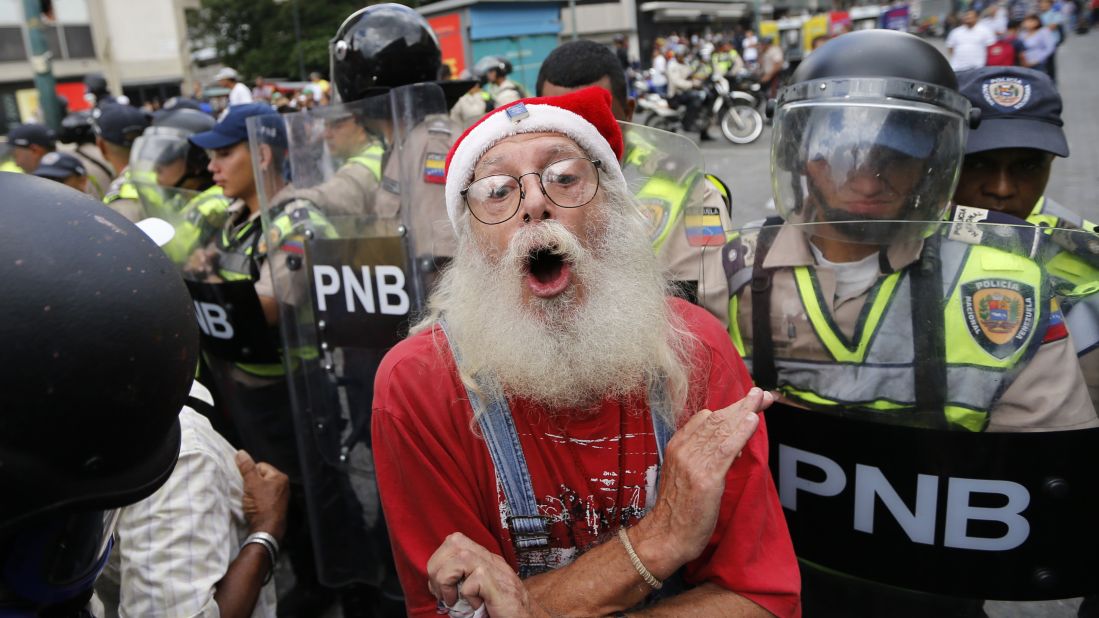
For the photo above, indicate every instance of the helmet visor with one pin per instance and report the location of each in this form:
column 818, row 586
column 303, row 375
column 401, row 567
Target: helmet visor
column 836, row 161
column 53, row 558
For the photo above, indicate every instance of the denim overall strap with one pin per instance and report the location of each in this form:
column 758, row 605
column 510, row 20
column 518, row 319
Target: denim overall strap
column 529, row 531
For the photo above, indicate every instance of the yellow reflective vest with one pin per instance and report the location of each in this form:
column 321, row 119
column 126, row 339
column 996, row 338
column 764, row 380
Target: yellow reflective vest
column 996, row 313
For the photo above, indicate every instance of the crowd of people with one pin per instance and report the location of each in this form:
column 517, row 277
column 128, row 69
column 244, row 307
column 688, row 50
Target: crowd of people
column 1014, row 34
column 549, row 392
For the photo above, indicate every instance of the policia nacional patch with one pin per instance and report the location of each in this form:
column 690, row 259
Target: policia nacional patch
column 999, row 314
column 655, row 210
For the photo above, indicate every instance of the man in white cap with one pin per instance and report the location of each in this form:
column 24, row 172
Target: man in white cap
column 239, row 93
column 523, row 434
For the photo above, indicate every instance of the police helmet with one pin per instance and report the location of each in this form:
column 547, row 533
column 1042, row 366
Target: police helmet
column 870, row 129
column 165, row 143
column 385, row 46
column 77, row 128
column 96, row 84
column 381, row 47
column 491, row 63
column 100, row 350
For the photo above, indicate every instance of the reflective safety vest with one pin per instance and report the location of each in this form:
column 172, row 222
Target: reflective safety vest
column 1049, row 213
column 995, row 320
column 126, row 190
column 243, row 252
column 199, row 219
column 10, row 166
column 661, row 198
column 371, row 159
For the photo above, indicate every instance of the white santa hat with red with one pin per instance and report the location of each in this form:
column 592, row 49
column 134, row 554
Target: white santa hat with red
column 584, row 116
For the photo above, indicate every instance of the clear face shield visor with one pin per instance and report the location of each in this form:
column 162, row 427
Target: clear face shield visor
column 54, row 557
column 848, row 152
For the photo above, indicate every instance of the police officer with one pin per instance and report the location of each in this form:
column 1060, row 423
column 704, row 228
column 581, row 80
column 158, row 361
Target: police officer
column 252, row 385
column 95, row 371
column 697, row 271
column 116, row 128
column 77, row 134
column 173, row 180
column 401, row 50
column 493, row 71
column 1007, row 166
column 64, row 168
column 30, row 142
column 844, row 310
column 96, row 91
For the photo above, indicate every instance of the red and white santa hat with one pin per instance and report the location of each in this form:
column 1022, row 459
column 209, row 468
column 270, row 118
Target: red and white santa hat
column 584, row 116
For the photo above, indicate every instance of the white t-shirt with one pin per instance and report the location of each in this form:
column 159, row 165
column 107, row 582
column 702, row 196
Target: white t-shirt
column 853, row 279
column 240, row 94
column 969, row 47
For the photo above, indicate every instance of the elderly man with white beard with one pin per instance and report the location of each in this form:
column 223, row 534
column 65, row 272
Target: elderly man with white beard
column 560, row 435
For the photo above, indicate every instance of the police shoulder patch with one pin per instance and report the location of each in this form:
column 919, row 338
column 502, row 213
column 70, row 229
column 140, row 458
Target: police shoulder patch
column 999, row 314
column 435, row 168
column 655, row 210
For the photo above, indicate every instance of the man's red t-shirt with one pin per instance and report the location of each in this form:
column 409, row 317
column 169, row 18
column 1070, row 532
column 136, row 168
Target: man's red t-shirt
column 592, row 472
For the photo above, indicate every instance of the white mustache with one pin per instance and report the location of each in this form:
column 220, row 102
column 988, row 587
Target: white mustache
column 551, row 235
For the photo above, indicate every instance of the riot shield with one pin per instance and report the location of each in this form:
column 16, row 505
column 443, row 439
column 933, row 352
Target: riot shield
column 345, row 229
column 934, row 430
column 157, row 163
column 685, row 216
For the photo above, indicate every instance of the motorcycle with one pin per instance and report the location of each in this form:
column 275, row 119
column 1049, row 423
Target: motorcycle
column 734, row 112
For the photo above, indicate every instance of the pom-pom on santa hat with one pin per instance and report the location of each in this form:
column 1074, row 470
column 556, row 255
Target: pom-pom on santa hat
column 584, row 116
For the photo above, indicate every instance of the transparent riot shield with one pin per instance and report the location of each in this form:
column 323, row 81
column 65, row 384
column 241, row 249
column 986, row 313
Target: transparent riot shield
column 936, row 427
column 157, row 168
column 344, row 229
column 684, row 213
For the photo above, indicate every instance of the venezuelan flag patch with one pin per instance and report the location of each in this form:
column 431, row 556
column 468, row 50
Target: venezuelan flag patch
column 704, row 227
column 435, row 168
column 1056, row 330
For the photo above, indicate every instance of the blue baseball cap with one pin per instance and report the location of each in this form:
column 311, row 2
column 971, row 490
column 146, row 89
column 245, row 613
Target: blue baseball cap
column 59, row 166
column 32, row 134
column 119, row 124
column 1020, row 108
column 233, row 129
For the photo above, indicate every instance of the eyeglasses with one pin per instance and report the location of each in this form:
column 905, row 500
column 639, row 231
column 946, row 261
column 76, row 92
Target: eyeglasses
column 568, row 183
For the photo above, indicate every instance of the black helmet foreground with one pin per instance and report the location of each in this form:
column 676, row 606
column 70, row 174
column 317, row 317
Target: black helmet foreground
column 384, row 46
column 871, row 128
column 100, row 346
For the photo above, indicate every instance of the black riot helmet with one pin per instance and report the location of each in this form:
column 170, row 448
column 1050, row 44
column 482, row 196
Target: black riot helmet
column 77, row 128
column 384, row 46
column 164, row 155
column 871, row 128
column 100, row 349
column 381, row 47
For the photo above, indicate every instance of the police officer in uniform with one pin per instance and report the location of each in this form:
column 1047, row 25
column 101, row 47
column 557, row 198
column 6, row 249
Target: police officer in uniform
column 401, row 50
column 116, row 128
column 844, row 310
column 29, row 143
column 95, row 371
column 493, row 71
column 77, row 135
column 173, row 180
column 1006, row 169
column 696, row 271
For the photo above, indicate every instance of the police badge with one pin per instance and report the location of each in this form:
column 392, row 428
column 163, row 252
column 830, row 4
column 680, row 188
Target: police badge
column 999, row 314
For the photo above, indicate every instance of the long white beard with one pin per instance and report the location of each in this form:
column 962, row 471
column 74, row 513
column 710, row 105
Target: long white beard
column 567, row 352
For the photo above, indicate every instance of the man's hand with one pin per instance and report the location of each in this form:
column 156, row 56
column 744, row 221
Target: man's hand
column 484, row 578
column 266, row 495
column 691, row 484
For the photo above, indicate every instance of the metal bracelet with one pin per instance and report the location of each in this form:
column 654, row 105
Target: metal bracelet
column 270, row 544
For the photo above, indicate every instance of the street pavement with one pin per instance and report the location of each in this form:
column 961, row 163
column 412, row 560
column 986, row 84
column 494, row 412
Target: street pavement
column 1074, row 182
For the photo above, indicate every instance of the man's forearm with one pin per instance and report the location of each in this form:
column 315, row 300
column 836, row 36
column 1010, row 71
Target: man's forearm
column 601, row 581
column 705, row 600
column 239, row 590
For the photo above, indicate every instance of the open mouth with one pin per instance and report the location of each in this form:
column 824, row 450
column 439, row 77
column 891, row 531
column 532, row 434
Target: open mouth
column 548, row 273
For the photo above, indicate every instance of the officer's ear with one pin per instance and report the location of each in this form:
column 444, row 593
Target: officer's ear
column 266, row 156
